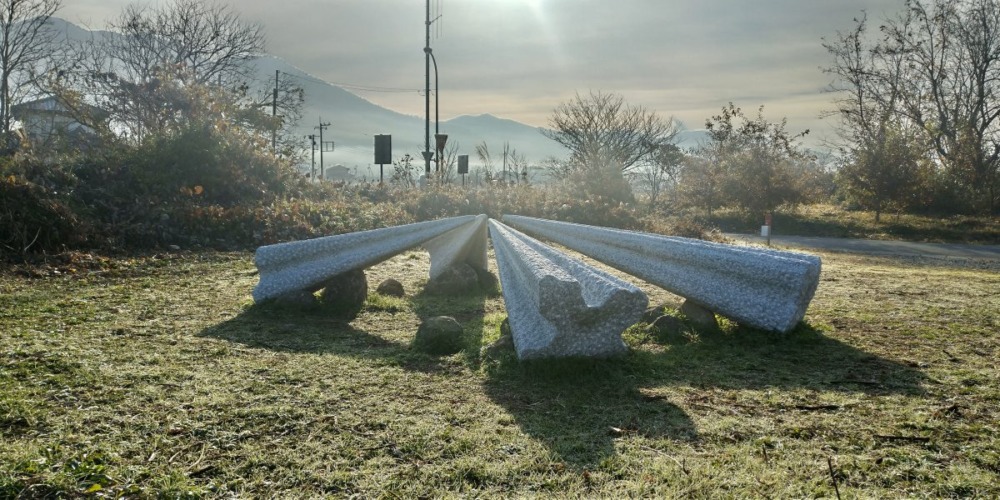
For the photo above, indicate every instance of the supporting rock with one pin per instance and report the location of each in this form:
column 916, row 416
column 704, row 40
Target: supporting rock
column 305, row 265
column 459, row 279
column 699, row 316
column 344, row 295
column 391, row 288
column 767, row 289
column 558, row 306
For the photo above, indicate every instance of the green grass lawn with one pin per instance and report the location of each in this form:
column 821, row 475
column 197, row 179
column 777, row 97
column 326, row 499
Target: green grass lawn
column 156, row 376
column 832, row 221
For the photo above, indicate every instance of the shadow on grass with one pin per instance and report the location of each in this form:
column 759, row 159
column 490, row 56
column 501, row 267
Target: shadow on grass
column 578, row 408
column 311, row 329
column 804, row 358
column 468, row 309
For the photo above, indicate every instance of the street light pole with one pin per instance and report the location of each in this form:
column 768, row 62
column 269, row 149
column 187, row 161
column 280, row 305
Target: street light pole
column 437, row 109
column 322, row 126
column 427, row 94
column 312, row 174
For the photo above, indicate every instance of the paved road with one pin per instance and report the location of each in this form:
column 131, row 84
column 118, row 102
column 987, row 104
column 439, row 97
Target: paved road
column 878, row 247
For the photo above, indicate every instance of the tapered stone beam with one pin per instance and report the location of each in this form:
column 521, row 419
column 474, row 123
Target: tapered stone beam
column 465, row 244
column 307, row 264
column 558, row 306
column 766, row 289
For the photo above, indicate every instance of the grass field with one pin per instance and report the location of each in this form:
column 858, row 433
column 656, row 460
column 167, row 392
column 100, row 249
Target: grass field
column 156, row 376
column 833, row 221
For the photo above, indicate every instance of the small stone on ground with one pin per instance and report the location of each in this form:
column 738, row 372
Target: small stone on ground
column 440, row 335
column 391, row 288
column 653, row 312
column 667, row 325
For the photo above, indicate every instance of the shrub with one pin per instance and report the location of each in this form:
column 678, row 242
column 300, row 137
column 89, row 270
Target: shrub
column 35, row 218
column 249, row 226
column 221, row 166
column 497, row 200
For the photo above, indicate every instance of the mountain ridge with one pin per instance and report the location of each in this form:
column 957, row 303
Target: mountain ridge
column 354, row 120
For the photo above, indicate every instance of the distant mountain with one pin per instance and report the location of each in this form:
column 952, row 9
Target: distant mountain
column 354, row 121
column 70, row 31
column 472, row 130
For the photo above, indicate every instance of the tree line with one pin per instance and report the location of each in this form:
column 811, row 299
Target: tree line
column 157, row 70
column 917, row 112
column 156, row 127
column 746, row 162
column 918, row 103
column 169, row 93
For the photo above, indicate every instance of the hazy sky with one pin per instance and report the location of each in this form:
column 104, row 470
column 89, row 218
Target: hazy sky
column 519, row 59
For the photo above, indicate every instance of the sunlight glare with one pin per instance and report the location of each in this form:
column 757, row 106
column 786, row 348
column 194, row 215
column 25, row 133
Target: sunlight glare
column 537, row 8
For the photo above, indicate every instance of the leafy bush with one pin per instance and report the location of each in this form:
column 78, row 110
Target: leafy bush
column 33, row 217
column 216, row 164
column 174, row 191
column 532, row 201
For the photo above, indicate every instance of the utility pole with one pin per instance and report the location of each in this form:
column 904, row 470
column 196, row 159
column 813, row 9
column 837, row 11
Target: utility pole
column 506, row 148
column 274, row 114
column 322, row 126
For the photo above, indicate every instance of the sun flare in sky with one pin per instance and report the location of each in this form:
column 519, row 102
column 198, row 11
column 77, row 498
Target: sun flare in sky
column 547, row 29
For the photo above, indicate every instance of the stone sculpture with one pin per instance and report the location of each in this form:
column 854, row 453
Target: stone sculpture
column 763, row 288
column 305, row 265
column 467, row 244
column 558, row 306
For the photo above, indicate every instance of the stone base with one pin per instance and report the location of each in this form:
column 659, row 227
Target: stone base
column 699, row 316
column 344, row 295
column 391, row 288
column 456, row 280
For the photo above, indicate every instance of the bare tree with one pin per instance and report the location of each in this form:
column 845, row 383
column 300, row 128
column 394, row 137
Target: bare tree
column 145, row 72
column 210, row 41
column 489, row 165
column 603, row 126
column 26, row 37
column 517, row 164
column 881, row 146
column 404, row 172
column 449, row 163
column 662, row 175
column 953, row 48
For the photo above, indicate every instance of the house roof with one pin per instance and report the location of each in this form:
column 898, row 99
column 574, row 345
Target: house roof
column 52, row 104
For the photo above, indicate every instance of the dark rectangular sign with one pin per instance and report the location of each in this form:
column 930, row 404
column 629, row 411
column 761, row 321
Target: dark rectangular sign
column 383, row 149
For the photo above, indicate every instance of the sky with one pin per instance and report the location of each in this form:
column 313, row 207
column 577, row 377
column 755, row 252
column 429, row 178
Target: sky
column 519, row 59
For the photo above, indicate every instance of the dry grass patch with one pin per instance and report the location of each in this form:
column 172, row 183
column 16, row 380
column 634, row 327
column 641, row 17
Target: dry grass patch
column 159, row 377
